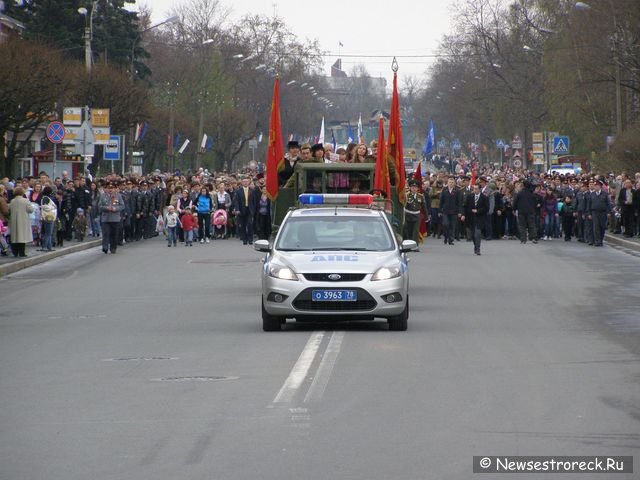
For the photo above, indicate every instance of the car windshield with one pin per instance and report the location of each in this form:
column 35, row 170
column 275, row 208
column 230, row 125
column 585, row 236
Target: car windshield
column 335, row 233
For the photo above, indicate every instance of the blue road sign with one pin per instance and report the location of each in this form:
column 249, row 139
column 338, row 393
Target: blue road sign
column 500, row 143
column 560, row 145
column 456, row 144
column 55, row 132
column 112, row 149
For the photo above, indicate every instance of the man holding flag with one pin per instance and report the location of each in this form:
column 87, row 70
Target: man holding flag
column 414, row 212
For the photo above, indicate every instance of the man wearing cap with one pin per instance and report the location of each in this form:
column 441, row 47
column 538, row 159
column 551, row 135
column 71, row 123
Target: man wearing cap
column 600, row 207
column 581, row 211
column 415, row 204
column 110, row 205
column 290, row 161
column 588, row 219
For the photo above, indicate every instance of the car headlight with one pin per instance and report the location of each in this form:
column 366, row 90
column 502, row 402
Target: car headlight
column 385, row 273
column 281, row 272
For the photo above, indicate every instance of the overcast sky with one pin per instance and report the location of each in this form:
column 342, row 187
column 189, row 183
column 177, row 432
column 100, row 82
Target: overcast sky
column 364, row 28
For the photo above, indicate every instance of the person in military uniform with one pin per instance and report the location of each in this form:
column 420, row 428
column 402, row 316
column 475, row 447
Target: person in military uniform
column 588, row 219
column 580, row 211
column 293, row 148
column 600, row 207
column 415, row 204
column 111, row 206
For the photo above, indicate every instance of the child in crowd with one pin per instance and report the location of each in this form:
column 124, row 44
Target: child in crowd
column 171, row 222
column 188, row 224
column 80, row 225
column 4, row 244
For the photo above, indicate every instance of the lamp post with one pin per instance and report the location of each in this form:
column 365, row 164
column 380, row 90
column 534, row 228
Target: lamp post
column 88, row 33
column 616, row 60
column 171, row 19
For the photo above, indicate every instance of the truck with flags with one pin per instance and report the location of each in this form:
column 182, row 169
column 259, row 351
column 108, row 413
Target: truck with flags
column 376, row 178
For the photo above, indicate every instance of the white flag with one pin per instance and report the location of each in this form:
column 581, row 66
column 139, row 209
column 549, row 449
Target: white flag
column 184, row 146
column 203, row 145
column 360, row 136
column 260, row 138
column 321, row 137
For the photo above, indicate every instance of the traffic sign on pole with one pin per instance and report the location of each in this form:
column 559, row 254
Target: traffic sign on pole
column 560, row 145
column 112, row 149
column 55, row 132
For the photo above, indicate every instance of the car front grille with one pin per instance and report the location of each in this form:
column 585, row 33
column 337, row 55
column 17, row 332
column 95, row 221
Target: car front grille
column 304, row 302
column 344, row 277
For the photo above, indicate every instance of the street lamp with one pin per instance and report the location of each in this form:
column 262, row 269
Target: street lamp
column 88, row 33
column 171, row 19
column 586, row 7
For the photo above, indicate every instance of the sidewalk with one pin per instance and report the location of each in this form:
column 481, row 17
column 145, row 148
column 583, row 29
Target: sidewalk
column 620, row 240
column 11, row 264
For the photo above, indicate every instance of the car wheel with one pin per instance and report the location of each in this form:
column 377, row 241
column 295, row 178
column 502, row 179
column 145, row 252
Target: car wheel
column 270, row 323
column 398, row 323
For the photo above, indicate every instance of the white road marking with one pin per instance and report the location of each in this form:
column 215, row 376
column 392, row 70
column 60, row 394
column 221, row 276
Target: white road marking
column 321, row 379
column 299, row 371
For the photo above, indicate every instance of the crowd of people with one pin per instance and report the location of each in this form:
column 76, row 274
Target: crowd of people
column 531, row 206
column 203, row 206
column 47, row 212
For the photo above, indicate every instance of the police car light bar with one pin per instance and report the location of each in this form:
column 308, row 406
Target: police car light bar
column 335, row 199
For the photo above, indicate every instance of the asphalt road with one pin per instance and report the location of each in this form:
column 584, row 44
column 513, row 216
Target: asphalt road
column 151, row 364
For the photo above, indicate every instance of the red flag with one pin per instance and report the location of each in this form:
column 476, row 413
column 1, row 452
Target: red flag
column 422, row 231
column 275, row 149
column 381, row 179
column 395, row 141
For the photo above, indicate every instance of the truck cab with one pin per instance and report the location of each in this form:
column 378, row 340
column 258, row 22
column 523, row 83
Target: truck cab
column 334, row 178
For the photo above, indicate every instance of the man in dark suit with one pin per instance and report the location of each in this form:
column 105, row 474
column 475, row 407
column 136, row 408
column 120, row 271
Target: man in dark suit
column 245, row 206
column 450, row 209
column 476, row 208
column 524, row 204
column 600, row 207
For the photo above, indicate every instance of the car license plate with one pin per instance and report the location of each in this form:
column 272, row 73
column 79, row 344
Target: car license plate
column 334, row 295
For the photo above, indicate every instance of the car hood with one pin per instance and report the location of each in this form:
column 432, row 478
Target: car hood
column 336, row 261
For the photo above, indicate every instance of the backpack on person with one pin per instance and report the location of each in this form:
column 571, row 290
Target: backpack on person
column 49, row 211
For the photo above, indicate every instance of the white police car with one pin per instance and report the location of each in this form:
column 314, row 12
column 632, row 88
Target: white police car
column 341, row 263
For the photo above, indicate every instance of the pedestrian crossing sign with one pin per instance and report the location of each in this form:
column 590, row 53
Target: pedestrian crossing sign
column 560, row 145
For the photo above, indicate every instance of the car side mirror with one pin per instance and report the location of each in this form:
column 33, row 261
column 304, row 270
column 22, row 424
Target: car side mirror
column 263, row 246
column 408, row 246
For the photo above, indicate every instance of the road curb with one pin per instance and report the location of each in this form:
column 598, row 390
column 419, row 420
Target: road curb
column 622, row 242
column 45, row 257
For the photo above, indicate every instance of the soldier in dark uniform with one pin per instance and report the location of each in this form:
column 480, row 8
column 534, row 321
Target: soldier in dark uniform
column 581, row 211
column 415, row 204
column 588, row 219
column 476, row 208
column 289, row 162
column 600, row 207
